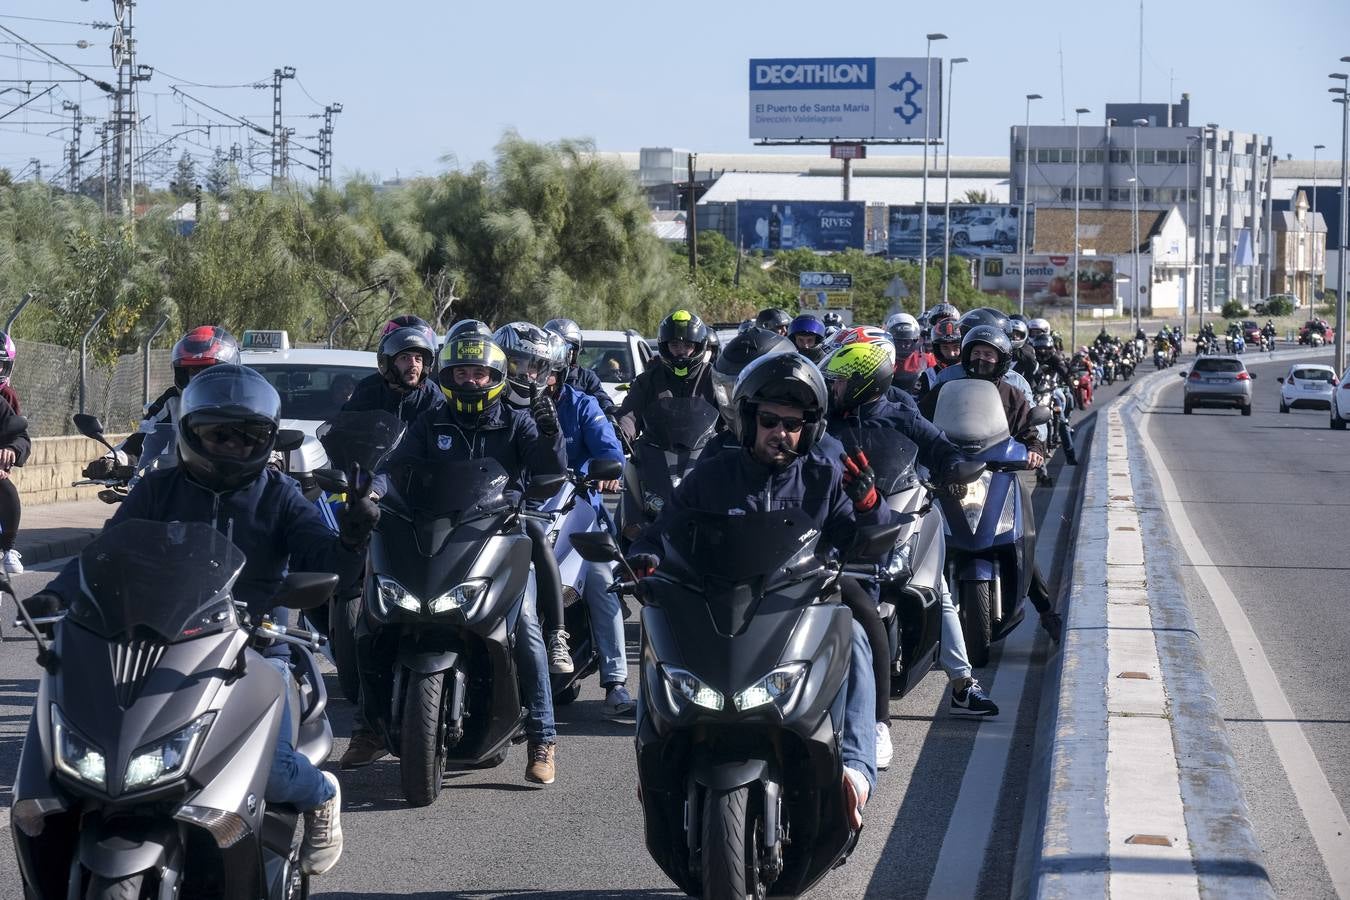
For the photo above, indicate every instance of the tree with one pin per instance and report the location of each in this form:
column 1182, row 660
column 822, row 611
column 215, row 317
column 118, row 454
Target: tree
column 975, row 195
column 184, row 184
column 219, row 175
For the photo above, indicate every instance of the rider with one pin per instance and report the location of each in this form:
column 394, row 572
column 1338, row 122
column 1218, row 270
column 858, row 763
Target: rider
column 402, row 384
column 207, row 345
column 1024, row 358
column 986, row 353
column 808, row 334
column 946, row 344
column 774, row 319
column 583, row 379
column 857, row 376
column 228, row 421
column 1052, row 361
column 832, row 322
column 475, row 424
column 15, row 453
column 681, row 340
column 910, row 357
column 739, row 352
column 780, row 401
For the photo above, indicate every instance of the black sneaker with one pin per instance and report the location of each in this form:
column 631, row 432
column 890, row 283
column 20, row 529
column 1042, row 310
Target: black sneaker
column 973, row 702
column 1053, row 625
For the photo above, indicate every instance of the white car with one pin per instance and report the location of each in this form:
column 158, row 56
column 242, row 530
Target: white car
column 981, row 230
column 616, row 356
column 1307, row 386
column 1340, row 403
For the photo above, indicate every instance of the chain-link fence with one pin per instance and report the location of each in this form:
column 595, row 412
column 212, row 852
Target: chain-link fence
column 47, row 380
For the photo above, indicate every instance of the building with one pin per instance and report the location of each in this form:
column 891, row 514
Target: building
column 1300, row 241
column 1217, row 179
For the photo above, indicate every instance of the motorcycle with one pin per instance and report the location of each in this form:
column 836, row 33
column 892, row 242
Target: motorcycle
column 448, row 576
column 1109, row 369
column 1235, row 343
column 151, row 742
column 675, row 431
column 1081, row 379
column 992, row 541
column 571, row 511
column 745, row 656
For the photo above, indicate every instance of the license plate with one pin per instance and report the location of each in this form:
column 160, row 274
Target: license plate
column 1312, row 387
column 1216, row 381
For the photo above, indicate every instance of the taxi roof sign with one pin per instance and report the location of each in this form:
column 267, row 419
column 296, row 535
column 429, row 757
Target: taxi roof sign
column 266, row 340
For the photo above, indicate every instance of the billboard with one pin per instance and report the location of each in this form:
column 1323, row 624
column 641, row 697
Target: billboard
column 978, row 229
column 772, row 225
column 845, row 98
column 1050, row 278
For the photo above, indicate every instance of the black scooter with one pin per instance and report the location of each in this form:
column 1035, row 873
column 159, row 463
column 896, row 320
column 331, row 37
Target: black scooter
column 745, row 655
column 449, row 572
column 155, row 725
column 675, row 431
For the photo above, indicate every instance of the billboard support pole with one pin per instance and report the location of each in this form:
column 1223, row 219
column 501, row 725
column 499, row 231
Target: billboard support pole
column 923, row 216
column 1022, row 222
column 848, row 164
column 947, row 183
column 691, row 224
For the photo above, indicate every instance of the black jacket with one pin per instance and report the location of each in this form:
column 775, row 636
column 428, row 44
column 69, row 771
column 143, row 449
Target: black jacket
column 507, row 435
column 1015, row 406
column 373, row 392
column 21, row 444
column 658, row 383
column 588, row 382
column 269, row 520
column 1024, row 362
column 936, row 453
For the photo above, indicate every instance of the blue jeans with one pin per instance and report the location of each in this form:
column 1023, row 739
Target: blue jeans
column 293, row 779
column 535, row 688
column 952, row 648
column 606, row 624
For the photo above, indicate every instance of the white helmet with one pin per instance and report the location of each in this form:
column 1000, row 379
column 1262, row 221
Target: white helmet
column 1038, row 326
column 895, row 319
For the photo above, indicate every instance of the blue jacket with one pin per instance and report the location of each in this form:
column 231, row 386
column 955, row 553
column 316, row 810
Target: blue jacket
column 507, row 435
column 588, row 382
column 936, row 453
column 733, row 479
column 269, row 520
column 373, row 392
column 588, row 434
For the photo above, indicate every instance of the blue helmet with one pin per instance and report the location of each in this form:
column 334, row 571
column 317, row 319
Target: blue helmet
column 806, row 324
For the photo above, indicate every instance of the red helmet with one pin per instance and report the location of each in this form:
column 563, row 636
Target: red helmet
column 202, row 347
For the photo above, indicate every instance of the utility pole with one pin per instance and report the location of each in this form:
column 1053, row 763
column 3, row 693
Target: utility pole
column 73, row 154
column 326, row 145
column 124, row 119
column 279, row 160
column 691, row 221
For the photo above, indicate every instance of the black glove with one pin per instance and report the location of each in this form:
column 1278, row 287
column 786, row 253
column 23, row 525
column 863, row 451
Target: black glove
column 544, row 412
column 643, row 564
column 860, row 482
column 99, row 468
column 44, row 604
column 359, row 515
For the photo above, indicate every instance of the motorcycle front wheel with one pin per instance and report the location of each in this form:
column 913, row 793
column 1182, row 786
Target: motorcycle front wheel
column 101, row 888
column 422, row 760
column 977, row 620
column 730, row 847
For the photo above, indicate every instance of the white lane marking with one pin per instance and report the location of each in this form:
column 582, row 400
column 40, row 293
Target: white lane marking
column 1326, row 820
column 957, row 873
column 1143, row 781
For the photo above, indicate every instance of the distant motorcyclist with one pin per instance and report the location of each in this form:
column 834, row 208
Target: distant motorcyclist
column 1024, row 357
column 681, row 340
column 774, row 319
column 582, row 379
column 403, row 383
column 946, row 345
column 808, row 335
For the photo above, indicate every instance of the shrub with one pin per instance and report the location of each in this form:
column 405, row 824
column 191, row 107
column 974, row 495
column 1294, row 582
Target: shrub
column 1279, row 306
column 1233, row 309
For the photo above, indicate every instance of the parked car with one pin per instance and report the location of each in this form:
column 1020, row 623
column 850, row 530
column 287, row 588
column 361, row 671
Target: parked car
column 1340, row 402
column 1307, row 386
column 1218, row 381
column 616, row 356
column 1259, row 307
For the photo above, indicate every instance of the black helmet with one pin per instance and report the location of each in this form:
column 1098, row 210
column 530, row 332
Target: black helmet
column 788, row 378
column 468, row 328
column 867, row 370
column 940, row 312
column 984, row 315
column 990, row 336
column 1043, row 343
column 773, row 319
column 570, row 332
column 398, row 341
column 471, row 350
column 529, row 359
column 739, row 352
column 832, row 320
column 681, row 325
column 227, row 406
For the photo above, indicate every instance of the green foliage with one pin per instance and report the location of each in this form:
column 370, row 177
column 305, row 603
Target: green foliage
column 1278, row 306
column 1233, row 309
column 184, row 184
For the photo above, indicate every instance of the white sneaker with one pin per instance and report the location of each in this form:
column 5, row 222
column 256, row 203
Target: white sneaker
column 559, row 654
column 323, row 833
column 885, row 750
column 12, row 561
column 856, row 790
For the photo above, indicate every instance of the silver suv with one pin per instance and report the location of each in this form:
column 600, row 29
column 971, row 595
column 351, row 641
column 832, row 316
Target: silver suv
column 1218, row 381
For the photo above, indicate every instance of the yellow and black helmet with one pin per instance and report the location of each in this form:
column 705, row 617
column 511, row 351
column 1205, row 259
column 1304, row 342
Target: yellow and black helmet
column 471, row 350
column 866, row 369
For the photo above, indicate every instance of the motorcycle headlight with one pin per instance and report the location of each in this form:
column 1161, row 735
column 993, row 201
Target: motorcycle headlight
column 461, row 596
column 76, row 755
column 1008, row 515
column 167, row 758
column 900, row 561
column 394, row 595
column 685, row 687
column 779, row 686
column 972, row 504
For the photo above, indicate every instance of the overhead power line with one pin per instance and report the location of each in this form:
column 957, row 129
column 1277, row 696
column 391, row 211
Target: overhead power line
column 99, row 83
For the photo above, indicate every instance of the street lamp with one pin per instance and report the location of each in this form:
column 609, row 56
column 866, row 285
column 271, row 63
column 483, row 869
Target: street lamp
column 923, row 215
column 947, row 184
column 1191, row 141
column 1022, row 223
column 1077, row 240
column 1344, row 250
column 1134, row 197
column 1212, row 129
column 1316, row 147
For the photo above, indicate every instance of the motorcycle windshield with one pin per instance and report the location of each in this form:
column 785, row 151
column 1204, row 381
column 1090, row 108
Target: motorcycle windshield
column 679, row 423
column 734, row 549
column 360, row 438
column 971, row 412
column 892, row 456
column 455, row 491
column 169, row 578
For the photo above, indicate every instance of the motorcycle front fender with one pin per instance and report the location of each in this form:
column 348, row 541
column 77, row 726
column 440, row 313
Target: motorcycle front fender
column 134, row 846
column 427, row 663
column 726, row 776
column 976, row 569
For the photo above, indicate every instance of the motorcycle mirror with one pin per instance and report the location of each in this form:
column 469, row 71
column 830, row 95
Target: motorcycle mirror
column 1039, row 415
column 331, row 481
column 90, row 427
column 966, row 471
column 306, row 590
column 874, row 541
column 541, row 487
column 604, row 469
column 289, row 439
column 1280, row 379
column 596, row 546
column 1181, row 374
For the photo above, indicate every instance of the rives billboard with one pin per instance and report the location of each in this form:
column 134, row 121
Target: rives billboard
column 773, row 225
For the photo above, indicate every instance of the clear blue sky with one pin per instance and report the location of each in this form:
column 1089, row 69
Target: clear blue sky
column 420, row 79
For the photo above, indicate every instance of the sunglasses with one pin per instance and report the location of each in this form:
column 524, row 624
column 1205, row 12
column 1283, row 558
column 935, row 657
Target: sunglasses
column 248, row 436
column 791, row 424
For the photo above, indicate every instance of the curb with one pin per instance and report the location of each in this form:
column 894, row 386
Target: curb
column 1072, row 856
column 46, row 551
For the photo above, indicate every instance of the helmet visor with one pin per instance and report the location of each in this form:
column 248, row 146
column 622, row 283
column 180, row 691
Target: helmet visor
column 231, row 439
